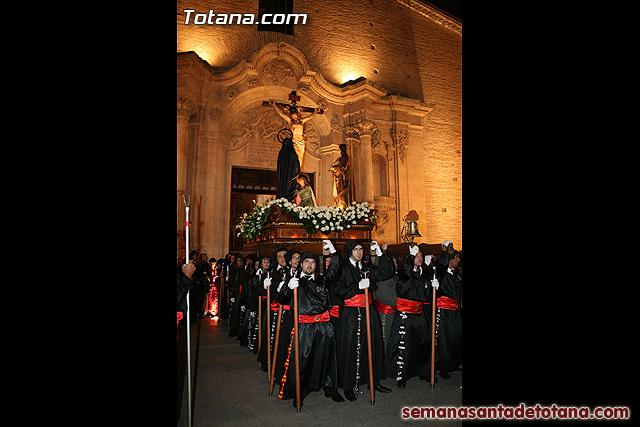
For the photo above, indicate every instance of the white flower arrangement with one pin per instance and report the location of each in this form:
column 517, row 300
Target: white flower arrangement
column 324, row 219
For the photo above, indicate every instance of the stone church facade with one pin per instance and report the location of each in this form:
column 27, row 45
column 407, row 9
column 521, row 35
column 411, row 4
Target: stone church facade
column 388, row 75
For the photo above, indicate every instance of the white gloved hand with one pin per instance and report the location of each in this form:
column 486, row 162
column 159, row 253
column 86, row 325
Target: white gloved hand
column 427, row 259
column 364, row 283
column 267, row 282
column 376, row 247
column 280, row 285
column 328, row 245
column 413, row 250
column 232, row 299
column 293, row 283
column 259, row 272
column 435, row 283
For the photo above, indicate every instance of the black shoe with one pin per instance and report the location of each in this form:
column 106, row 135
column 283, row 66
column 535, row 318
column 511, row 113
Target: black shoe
column 333, row 394
column 350, row 395
column 402, row 383
column 382, row 389
column 444, row 375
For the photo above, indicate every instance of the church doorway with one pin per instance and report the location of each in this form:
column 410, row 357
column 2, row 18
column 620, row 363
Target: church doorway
column 248, row 188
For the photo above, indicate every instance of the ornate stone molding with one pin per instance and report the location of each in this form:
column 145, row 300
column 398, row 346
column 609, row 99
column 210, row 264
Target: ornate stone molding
column 186, row 106
column 401, row 140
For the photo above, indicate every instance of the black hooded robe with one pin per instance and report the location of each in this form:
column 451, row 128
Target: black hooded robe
column 351, row 337
column 318, row 363
column 409, row 348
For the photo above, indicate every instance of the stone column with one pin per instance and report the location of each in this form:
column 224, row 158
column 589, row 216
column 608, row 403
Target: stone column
column 186, row 108
column 365, row 129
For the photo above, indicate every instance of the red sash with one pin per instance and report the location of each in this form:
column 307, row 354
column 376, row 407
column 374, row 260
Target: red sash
column 384, row 308
column 314, row 318
column 448, row 303
column 335, row 311
column 275, row 305
column 408, row 306
column 357, row 301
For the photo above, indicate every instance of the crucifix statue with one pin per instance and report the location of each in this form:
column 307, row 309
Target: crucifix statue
column 292, row 113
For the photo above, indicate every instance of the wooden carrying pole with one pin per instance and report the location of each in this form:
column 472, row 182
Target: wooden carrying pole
column 259, row 324
column 272, row 374
column 368, row 315
column 297, row 348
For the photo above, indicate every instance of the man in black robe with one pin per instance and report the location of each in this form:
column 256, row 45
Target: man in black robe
column 408, row 349
column 448, row 318
column 318, row 363
column 351, row 337
column 288, row 167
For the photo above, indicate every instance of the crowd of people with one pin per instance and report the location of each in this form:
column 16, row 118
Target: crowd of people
column 255, row 296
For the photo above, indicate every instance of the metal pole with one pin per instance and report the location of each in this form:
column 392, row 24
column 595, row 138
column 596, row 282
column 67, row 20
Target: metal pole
column 186, row 206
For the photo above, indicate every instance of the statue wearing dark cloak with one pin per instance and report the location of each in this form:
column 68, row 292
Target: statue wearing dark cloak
column 287, row 169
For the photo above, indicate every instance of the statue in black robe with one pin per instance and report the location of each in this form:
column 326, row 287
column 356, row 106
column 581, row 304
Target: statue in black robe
column 288, row 168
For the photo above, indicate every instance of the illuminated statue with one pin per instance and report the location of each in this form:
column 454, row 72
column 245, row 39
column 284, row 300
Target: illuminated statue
column 341, row 179
column 292, row 113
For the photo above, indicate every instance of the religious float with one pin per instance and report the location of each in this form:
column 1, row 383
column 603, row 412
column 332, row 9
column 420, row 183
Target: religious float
column 278, row 222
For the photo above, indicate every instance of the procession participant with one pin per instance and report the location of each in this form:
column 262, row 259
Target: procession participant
column 248, row 304
column 351, row 337
column 256, row 286
column 318, row 364
column 292, row 259
column 449, row 329
column 408, row 349
column 292, row 267
column 385, row 302
column 237, row 315
column 336, row 302
column 447, row 248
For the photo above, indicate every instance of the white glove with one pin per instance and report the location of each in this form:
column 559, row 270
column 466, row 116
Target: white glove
column 328, row 245
column 413, row 250
column 375, row 247
column 280, row 285
column 364, row 283
column 259, row 272
column 293, row 283
column 435, row 283
column 232, row 299
column 243, row 308
column 427, row 259
column 267, row 282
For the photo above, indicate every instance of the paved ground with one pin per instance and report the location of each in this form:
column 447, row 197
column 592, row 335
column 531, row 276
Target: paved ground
column 230, row 390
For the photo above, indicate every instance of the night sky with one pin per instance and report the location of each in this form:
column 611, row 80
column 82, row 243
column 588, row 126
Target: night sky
column 453, row 7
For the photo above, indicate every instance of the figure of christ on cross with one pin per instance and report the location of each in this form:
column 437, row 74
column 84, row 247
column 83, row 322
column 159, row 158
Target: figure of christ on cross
column 292, row 113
